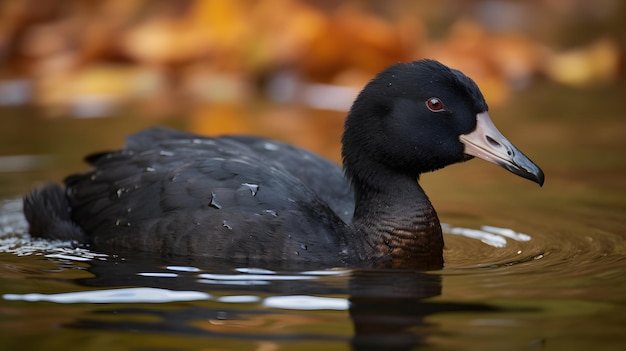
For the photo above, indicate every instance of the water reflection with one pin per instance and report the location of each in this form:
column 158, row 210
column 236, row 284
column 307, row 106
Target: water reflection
column 387, row 308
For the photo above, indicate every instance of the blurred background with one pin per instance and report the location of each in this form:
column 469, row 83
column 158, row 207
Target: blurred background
column 77, row 76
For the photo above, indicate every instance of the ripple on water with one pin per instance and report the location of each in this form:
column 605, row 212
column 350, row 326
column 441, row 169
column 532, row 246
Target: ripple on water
column 556, row 260
column 14, row 238
column 467, row 248
column 488, row 247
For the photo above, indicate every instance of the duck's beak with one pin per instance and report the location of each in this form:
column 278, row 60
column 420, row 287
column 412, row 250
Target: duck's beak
column 488, row 143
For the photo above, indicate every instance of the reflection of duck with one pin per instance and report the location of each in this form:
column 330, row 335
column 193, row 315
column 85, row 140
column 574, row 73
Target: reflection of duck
column 389, row 309
column 262, row 201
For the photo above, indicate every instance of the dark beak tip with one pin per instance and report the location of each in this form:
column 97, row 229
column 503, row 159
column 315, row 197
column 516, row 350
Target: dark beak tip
column 534, row 174
column 540, row 178
column 535, row 178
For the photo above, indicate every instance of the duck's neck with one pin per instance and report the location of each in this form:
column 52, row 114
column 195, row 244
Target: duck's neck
column 400, row 227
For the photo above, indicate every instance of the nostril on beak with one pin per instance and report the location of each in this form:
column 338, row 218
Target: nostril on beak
column 492, row 141
column 497, row 144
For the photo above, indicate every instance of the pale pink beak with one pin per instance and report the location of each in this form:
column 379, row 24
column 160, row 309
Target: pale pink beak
column 488, row 143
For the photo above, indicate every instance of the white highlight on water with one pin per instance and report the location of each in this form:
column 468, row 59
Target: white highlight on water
column 183, row 269
column 304, row 302
column 127, row 295
column 158, row 274
column 492, row 236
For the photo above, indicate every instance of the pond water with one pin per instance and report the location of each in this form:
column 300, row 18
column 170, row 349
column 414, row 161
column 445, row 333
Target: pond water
column 527, row 268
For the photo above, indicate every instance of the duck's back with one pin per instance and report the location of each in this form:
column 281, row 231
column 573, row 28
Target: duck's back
column 229, row 197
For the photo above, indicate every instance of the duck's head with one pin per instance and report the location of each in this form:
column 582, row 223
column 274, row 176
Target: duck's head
column 421, row 116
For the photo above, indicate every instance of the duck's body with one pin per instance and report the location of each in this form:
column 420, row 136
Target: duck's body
column 262, row 201
column 183, row 194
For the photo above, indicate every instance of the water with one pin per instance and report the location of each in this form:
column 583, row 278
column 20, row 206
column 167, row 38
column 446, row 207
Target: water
column 527, row 268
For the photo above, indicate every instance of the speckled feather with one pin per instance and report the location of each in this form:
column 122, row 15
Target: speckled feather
column 183, row 194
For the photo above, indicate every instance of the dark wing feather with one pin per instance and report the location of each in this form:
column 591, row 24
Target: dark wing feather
column 176, row 193
column 321, row 175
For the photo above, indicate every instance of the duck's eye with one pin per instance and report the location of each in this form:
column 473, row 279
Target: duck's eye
column 435, row 105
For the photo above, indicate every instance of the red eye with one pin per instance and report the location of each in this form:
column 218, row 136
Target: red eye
column 434, row 104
